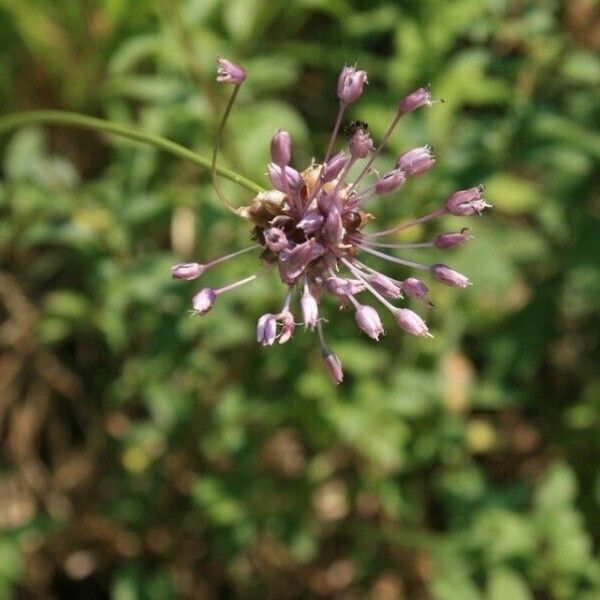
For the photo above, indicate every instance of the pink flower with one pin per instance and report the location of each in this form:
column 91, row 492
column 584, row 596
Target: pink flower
column 313, row 228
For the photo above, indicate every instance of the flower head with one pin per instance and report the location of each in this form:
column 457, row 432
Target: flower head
column 313, row 227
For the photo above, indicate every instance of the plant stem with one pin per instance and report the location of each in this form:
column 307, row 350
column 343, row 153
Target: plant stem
column 59, row 117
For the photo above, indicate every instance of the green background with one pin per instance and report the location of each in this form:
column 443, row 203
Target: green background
column 149, row 453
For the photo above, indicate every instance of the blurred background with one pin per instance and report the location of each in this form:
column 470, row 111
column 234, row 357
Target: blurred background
column 147, row 453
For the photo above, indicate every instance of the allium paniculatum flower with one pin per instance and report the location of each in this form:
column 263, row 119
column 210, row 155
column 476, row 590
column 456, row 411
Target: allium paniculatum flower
column 310, row 226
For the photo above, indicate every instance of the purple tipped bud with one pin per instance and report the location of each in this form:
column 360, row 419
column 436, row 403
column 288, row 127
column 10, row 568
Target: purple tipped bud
column 292, row 178
column 228, row 72
column 416, row 161
column 333, row 229
column 204, row 300
column 334, row 166
column 368, row 320
column 360, row 144
column 333, row 366
column 266, row 329
column 449, row 240
column 310, row 308
column 390, row 182
column 445, row 274
column 385, row 286
column 420, row 97
column 415, row 288
column 275, row 239
column 411, row 322
column 350, row 84
column 467, row 202
column 281, row 148
column 287, row 326
column 187, row 271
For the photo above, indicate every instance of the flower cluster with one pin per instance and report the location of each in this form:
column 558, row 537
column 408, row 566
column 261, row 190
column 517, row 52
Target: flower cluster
column 310, row 225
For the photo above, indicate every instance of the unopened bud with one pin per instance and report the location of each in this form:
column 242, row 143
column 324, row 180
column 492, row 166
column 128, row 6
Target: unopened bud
column 266, row 329
column 228, row 72
column 415, row 288
column 350, row 84
column 187, row 271
column 467, row 202
column 411, row 322
column 385, row 286
column 416, row 161
column 449, row 240
column 333, row 229
column 368, row 320
column 444, row 274
column 360, row 144
column 204, row 300
column 333, row 167
column 390, row 182
column 420, row 97
column 333, row 366
column 281, row 148
column 284, row 178
column 310, row 308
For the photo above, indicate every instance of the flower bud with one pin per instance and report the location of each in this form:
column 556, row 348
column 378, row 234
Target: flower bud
column 281, row 148
column 284, row 178
column 416, row 161
column 333, row 229
column 385, row 286
column 360, row 144
column 229, row 72
column 368, row 320
column 467, row 202
column 390, row 182
column 187, row 271
column 333, row 167
column 449, row 240
column 445, row 274
column 204, row 300
column 310, row 308
column 333, row 366
column 415, row 288
column 350, row 84
column 266, row 329
column 411, row 322
column 418, row 98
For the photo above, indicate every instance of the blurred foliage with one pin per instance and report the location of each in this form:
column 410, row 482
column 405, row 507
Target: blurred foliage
column 150, row 454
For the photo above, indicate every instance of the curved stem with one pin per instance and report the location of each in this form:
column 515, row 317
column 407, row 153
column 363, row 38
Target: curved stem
column 214, row 169
column 59, row 117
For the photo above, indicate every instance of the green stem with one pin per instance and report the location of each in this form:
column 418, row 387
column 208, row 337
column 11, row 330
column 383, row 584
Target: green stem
column 214, row 169
column 60, row 117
